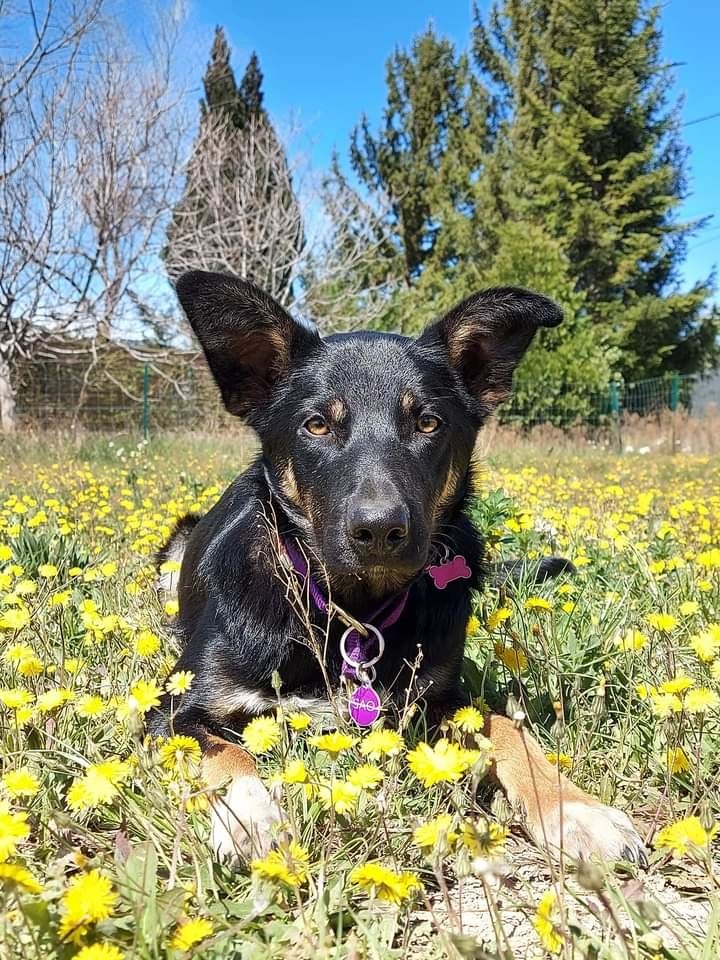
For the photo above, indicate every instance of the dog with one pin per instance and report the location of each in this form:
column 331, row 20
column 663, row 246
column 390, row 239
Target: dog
column 359, row 493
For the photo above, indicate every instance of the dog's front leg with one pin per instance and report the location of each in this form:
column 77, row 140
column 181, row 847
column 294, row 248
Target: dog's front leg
column 559, row 815
column 244, row 817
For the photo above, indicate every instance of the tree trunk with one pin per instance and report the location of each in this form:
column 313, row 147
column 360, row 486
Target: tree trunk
column 8, row 420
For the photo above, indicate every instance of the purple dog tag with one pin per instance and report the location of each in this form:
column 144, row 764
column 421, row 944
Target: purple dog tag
column 445, row 573
column 364, row 706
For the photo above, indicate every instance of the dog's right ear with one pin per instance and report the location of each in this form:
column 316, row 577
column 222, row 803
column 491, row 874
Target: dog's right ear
column 248, row 339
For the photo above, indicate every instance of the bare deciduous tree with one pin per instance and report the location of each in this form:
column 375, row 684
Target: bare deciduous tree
column 93, row 131
column 238, row 214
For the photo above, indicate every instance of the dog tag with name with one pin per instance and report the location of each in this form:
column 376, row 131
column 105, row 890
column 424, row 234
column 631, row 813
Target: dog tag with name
column 364, row 706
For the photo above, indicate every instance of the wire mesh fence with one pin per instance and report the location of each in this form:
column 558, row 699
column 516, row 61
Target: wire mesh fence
column 119, row 394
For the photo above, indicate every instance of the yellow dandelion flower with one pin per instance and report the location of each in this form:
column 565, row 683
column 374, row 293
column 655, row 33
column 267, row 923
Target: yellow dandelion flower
column 435, row 834
column 382, row 743
column 366, row 776
column 91, row 705
column 706, row 645
column 381, row 883
column 665, row 704
column 15, row 698
column 171, row 608
column 98, row 785
column 498, row 617
column 20, row 783
column 537, row 603
column 473, row 627
column 146, row 643
column 445, row 762
column 333, row 743
column 30, row 667
column 545, row 923
column 632, row 640
column 18, row 652
column 180, row 754
column 677, row 760
column 13, row 830
column 144, row 695
column 180, row 682
column 53, row 699
column 99, row 951
column 14, row 619
column 15, row 875
column 469, row 719
column 664, row 622
column 190, row 932
column 678, row 684
column 689, row 607
column 88, row 899
column 261, row 734
column 512, row 657
column 341, row 795
column 295, row 772
column 709, row 559
column 701, row 700
column 484, row 838
column 298, row 720
column 47, row 571
column 684, row 835
column 561, row 760
column 289, row 865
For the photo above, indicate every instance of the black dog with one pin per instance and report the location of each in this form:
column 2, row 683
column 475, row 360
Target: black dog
column 364, row 473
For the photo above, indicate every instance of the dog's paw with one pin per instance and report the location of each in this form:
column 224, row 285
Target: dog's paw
column 582, row 829
column 243, row 822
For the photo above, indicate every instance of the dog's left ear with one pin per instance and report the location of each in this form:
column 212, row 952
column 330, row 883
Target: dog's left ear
column 486, row 336
column 248, row 339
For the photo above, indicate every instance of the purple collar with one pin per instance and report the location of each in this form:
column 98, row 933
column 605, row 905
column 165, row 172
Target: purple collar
column 359, row 653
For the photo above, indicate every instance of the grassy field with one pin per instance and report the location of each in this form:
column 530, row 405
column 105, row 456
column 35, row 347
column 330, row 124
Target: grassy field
column 395, row 850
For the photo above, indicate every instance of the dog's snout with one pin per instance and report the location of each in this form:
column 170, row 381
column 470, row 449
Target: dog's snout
column 376, row 526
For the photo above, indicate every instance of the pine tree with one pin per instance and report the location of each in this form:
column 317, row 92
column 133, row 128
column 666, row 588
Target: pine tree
column 590, row 150
column 222, row 96
column 427, row 154
column 238, row 186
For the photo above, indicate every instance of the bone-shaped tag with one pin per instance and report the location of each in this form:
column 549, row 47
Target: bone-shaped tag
column 445, row 573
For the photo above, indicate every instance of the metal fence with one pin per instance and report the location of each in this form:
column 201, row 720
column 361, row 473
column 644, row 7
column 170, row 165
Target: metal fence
column 140, row 397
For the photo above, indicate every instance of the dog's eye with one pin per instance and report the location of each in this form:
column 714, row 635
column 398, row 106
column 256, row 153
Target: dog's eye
column 317, row 427
column 427, row 423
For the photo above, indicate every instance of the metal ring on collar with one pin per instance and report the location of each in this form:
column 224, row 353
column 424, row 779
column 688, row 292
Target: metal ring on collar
column 355, row 664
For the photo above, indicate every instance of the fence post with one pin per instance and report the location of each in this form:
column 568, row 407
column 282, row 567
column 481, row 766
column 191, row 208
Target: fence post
column 615, row 412
column 674, row 404
column 146, row 401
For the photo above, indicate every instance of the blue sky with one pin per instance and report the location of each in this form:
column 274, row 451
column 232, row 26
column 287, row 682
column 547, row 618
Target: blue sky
column 325, row 61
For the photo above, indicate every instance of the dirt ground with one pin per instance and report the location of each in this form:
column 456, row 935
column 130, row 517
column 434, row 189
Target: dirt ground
column 497, row 912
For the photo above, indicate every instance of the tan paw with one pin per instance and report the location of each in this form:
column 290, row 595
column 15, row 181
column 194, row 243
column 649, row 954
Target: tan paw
column 581, row 829
column 243, row 821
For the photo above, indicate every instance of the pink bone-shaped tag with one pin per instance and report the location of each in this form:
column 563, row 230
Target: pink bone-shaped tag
column 445, row 573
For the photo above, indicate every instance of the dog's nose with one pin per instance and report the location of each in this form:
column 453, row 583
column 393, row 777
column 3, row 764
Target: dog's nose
column 376, row 526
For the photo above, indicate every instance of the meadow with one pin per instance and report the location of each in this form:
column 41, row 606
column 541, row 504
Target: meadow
column 394, row 848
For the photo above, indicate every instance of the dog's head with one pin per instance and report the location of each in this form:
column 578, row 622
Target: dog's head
column 367, row 438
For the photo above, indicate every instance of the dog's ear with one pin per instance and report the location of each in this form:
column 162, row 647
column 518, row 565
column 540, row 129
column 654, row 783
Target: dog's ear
column 485, row 337
column 248, row 339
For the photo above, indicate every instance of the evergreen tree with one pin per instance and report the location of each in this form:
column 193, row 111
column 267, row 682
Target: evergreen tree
column 590, row 150
column 238, row 184
column 222, row 96
column 427, row 155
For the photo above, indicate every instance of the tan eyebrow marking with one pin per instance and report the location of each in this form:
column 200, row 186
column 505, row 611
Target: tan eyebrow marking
column 337, row 410
column 408, row 401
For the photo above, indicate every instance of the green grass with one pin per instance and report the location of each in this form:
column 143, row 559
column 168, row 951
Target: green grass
column 642, row 531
